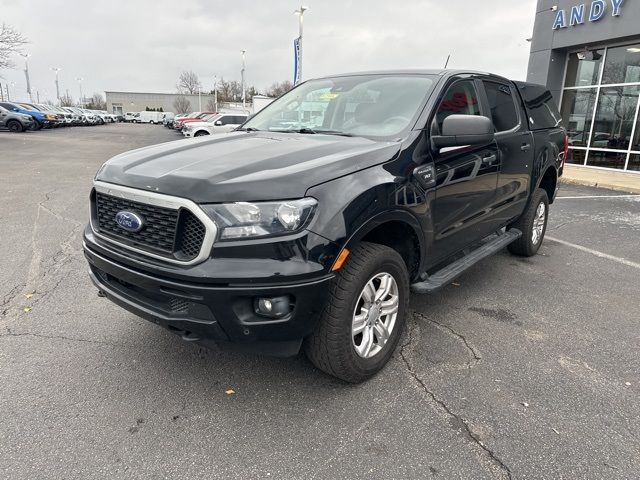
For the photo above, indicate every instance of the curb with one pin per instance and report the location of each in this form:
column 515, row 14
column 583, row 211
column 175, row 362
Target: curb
column 592, row 183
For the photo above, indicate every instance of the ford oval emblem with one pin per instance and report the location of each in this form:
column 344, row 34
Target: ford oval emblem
column 129, row 221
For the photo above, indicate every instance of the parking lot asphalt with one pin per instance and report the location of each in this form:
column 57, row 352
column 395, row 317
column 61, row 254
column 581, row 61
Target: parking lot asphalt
column 522, row 368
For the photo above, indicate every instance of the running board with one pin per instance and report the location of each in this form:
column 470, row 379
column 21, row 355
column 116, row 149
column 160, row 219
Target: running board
column 451, row 271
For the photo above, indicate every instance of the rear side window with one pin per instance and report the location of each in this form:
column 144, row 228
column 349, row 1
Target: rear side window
column 461, row 99
column 540, row 105
column 502, row 106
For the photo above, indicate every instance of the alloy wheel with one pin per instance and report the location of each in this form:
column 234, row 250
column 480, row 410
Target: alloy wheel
column 538, row 223
column 375, row 314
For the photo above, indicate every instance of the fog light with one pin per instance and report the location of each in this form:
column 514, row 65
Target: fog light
column 272, row 307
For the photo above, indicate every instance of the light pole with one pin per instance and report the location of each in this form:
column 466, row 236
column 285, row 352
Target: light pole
column 244, row 103
column 300, row 13
column 26, row 74
column 215, row 92
column 80, row 79
column 13, row 84
column 57, row 69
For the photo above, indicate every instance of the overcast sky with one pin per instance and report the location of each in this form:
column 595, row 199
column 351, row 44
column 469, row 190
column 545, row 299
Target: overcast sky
column 143, row 45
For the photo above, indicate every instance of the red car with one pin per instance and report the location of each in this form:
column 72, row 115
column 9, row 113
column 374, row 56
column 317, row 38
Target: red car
column 199, row 116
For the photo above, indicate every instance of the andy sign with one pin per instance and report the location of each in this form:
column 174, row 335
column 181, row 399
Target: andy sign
column 592, row 13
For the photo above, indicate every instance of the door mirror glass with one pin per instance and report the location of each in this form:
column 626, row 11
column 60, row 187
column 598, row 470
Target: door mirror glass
column 460, row 130
column 218, row 123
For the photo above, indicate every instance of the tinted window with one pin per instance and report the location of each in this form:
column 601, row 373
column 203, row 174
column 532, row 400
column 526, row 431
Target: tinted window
column 461, row 99
column 502, row 106
column 541, row 107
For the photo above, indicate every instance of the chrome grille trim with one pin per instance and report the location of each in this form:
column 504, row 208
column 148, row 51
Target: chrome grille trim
column 159, row 200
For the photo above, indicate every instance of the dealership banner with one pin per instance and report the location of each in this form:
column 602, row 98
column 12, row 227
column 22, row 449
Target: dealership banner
column 296, row 61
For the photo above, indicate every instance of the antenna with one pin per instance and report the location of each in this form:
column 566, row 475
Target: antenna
column 447, row 62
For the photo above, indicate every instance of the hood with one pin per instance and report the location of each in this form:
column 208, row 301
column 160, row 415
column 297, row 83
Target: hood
column 241, row 166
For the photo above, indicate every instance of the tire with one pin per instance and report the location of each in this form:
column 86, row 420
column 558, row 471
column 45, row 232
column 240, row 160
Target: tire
column 152, row 122
column 333, row 346
column 532, row 225
column 200, row 133
column 36, row 126
column 15, row 126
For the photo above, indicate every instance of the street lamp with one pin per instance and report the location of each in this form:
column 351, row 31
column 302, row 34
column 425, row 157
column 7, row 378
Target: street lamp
column 215, row 93
column 80, row 79
column 300, row 13
column 26, row 73
column 243, row 51
column 57, row 69
column 13, row 84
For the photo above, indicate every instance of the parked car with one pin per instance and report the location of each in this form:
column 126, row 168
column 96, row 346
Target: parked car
column 15, row 121
column 40, row 119
column 150, row 117
column 54, row 118
column 218, row 123
column 170, row 123
column 131, row 117
column 311, row 235
column 192, row 117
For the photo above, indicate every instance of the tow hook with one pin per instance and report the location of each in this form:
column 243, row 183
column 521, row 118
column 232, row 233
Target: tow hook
column 101, row 294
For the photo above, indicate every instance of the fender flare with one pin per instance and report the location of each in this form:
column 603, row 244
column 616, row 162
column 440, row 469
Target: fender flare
column 384, row 217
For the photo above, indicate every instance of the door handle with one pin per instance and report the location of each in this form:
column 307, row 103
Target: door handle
column 525, row 147
column 489, row 159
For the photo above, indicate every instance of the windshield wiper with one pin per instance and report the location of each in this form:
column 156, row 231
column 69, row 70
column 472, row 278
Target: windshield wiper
column 335, row 132
column 308, row 130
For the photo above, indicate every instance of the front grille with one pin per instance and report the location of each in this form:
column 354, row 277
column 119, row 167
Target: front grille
column 169, row 232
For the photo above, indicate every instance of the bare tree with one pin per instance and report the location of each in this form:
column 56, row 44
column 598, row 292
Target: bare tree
column 96, row 102
column 66, row 101
column 11, row 41
column 182, row 105
column 188, row 82
column 279, row 88
column 211, row 105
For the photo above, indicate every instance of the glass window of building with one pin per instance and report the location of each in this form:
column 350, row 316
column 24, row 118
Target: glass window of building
column 577, row 114
column 583, row 68
column 622, row 65
column 600, row 105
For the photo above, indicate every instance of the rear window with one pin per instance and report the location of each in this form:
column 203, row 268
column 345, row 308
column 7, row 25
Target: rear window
column 542, row 111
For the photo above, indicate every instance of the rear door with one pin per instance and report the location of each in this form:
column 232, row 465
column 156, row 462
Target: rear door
column 515, row 147
column 466, row 177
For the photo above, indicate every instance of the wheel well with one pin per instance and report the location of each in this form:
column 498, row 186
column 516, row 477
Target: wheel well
column 548, row 182
column 402, row 238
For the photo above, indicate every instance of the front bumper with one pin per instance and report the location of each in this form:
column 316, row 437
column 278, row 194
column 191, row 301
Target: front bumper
column 203, row 310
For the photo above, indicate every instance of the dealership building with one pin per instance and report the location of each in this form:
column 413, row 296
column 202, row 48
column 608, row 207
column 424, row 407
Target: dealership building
column 588, row 54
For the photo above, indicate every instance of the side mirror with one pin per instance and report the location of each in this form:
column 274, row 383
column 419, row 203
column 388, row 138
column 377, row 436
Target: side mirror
column 460, row 130
column 218, row 123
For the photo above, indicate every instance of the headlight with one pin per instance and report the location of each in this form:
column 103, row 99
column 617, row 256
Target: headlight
column 50, row 116
column 251, row 220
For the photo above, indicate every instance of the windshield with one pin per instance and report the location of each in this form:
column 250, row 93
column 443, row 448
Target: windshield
column 379, row 106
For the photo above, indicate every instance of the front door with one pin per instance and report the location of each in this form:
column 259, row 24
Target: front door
column 466, row 178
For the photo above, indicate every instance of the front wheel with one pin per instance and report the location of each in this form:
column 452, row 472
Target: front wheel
column 14, row 126
column 533, row 225
column 200, row 133
column 361, row 324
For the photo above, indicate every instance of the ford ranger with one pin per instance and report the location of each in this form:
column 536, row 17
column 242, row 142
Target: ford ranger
column 309, row 226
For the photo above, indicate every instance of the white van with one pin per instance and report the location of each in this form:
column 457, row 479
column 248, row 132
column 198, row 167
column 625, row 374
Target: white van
column 150, row 117
column 131, row 116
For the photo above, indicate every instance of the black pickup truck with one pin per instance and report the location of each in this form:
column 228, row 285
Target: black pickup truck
column 310, row 225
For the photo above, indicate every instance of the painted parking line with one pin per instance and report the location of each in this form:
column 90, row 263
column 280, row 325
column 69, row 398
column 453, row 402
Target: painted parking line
column 598, row 196
column 621, row 260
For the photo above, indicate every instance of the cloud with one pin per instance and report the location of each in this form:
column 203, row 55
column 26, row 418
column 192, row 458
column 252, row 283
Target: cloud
column 143, row 45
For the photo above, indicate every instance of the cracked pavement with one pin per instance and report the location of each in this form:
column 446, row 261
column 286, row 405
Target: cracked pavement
column 523, row 368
